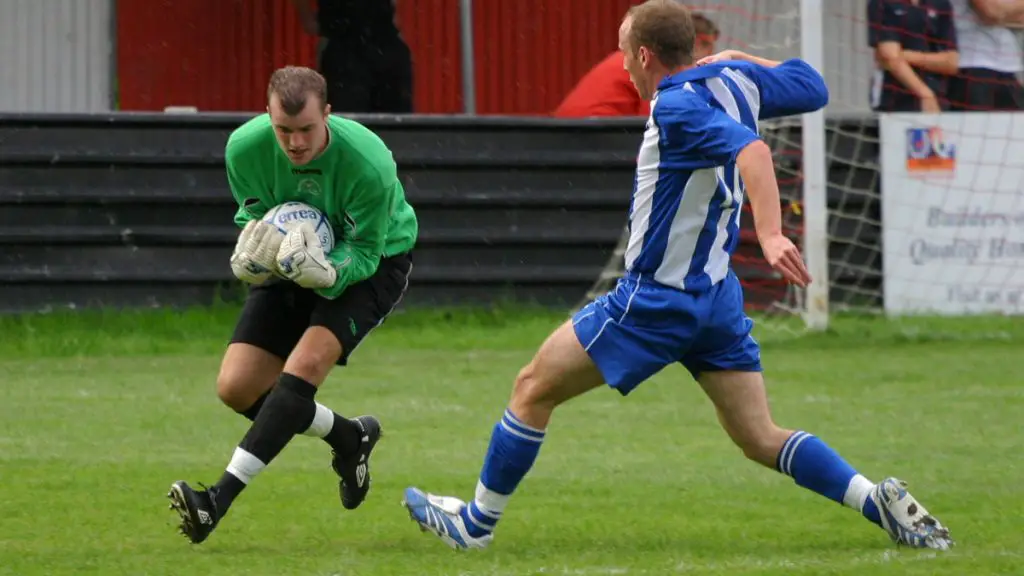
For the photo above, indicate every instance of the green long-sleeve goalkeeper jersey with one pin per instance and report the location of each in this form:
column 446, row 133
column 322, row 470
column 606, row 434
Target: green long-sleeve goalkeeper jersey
column 354, row 182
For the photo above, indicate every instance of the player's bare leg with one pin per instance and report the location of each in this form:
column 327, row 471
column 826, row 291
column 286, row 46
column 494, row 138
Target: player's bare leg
column 288, row 410
column 560, row 371
column 247, row 373
column 742, row 405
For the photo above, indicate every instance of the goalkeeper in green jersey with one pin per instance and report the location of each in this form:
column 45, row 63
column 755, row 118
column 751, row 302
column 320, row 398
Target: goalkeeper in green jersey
column 295, row 327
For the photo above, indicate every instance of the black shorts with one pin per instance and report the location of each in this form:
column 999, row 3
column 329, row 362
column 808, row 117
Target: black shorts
column 278, row 312
column 979, row 89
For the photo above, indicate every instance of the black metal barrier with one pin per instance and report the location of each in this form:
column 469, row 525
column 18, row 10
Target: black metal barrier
column 134, row 209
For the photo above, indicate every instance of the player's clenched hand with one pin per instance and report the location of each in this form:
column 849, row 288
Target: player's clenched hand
column 784, row 257
column 255, row 255
column 301, row 259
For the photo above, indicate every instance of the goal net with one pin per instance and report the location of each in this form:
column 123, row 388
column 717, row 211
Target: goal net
column 904, row 213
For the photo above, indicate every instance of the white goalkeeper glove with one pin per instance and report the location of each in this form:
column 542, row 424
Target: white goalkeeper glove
column 255, row 256
column 301, row 259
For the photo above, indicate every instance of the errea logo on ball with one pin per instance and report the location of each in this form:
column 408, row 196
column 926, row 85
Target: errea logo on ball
column 284, row 218
column 929, row 151
column 288, row 216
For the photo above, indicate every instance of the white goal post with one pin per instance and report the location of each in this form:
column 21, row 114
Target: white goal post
column 815, row 178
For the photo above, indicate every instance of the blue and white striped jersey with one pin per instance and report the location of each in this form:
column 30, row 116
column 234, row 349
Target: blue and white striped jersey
column 685, row 213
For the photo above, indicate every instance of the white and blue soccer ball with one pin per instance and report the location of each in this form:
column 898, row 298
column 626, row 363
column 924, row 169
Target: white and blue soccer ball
column 289, row 215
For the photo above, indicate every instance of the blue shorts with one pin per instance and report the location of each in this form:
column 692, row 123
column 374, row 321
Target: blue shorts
column 640, row 327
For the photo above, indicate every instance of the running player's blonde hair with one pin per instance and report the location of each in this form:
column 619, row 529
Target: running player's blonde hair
column 294, row 85
column 664, row 27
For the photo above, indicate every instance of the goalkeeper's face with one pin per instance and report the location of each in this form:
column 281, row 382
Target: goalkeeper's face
column 302, row 136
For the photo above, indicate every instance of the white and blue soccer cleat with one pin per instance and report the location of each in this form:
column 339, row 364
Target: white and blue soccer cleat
column 442, row 515
column 906, row 520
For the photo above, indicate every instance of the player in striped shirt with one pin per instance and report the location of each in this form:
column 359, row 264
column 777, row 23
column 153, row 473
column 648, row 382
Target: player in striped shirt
column 680, row 300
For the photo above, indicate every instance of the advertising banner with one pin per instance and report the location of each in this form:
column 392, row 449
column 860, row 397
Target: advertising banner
column 953, row 213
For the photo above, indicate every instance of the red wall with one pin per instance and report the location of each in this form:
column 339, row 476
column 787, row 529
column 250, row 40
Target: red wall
column 529, row 53
column 214, row 55
column 217, row 55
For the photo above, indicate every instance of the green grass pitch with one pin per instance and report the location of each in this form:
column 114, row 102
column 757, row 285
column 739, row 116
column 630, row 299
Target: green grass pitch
column 99, row 413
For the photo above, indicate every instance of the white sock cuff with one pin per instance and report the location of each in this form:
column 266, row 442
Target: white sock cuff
column 490, row 500
column 857, row 492
column 323, row 422
column 244, row 465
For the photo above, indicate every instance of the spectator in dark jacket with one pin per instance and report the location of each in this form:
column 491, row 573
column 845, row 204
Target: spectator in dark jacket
column 367, row 64
column 916, row 54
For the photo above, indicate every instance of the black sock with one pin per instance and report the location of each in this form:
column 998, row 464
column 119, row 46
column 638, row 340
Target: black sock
column 345, row 435
column 287, row 411
column 252, row 411
column 227, row 489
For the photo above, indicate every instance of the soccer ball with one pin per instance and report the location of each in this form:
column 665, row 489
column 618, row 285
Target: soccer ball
column 289, row 215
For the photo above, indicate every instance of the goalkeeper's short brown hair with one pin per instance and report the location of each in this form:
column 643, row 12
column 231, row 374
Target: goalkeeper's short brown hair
column 294, row 85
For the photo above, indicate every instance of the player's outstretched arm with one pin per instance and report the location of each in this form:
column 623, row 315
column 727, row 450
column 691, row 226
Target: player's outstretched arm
column 793, row 87
column 758, row 172
column 737, row 55
column 366, row 217
column 785, row 88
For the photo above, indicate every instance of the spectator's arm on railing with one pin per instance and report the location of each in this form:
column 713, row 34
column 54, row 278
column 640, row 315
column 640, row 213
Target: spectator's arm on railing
column 999, row 12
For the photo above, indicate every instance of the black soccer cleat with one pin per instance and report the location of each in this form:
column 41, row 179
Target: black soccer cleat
column 354, row 469
column 198, row 510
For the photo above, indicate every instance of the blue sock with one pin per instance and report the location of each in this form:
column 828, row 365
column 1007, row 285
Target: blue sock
column 816, row 466
column 514, row 447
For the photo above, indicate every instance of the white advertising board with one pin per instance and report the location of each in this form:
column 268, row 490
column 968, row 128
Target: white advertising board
column 953, row 213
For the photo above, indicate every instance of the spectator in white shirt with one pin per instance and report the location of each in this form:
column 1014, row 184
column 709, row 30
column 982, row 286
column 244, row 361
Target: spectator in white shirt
column 990, row 56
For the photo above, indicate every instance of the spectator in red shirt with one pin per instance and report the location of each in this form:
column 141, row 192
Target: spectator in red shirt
column 607, row 91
